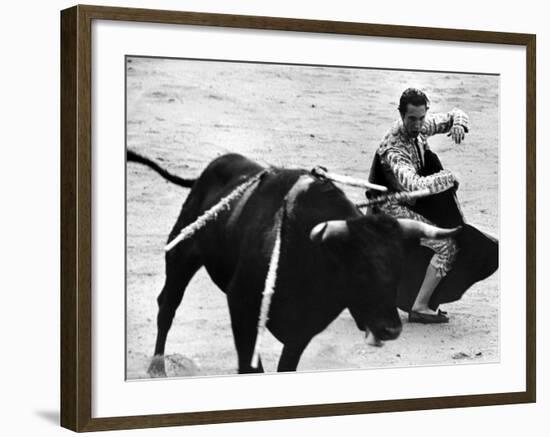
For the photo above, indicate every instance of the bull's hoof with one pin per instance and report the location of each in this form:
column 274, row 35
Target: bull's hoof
column 157, row 368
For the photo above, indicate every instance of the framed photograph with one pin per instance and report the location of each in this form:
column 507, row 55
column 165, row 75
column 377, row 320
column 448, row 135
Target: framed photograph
column 268, row 218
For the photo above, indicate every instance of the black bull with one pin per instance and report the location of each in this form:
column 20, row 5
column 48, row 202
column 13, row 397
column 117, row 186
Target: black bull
column 332, row 257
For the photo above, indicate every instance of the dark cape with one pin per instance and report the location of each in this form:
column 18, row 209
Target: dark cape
column 477, row 257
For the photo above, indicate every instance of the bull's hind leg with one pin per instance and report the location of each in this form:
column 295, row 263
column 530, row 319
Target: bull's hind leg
column 244, row 324
column 182, row 263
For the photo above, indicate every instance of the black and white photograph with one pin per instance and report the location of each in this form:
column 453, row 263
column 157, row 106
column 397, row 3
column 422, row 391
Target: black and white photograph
column 275, row 218
column 285, row 217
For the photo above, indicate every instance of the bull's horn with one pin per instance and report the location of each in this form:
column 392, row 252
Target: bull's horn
column 327, row 230
column 416, row 229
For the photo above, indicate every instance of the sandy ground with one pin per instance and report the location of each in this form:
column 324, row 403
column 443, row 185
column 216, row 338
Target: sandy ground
column 185, row 113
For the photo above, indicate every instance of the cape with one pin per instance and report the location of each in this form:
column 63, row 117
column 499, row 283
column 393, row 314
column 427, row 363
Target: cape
column 476, row 260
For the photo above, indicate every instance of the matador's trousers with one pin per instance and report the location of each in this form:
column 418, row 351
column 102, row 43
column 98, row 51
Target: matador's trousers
column 445, row 249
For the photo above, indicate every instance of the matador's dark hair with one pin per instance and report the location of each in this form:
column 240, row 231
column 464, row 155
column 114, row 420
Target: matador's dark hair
column 413, row 96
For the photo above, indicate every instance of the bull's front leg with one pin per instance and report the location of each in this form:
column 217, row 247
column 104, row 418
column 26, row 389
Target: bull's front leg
column 292, row 351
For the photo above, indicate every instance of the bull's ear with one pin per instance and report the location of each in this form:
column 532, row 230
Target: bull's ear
column 329, row 230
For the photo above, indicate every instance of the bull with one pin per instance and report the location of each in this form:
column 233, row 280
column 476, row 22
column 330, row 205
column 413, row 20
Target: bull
column 332, row 257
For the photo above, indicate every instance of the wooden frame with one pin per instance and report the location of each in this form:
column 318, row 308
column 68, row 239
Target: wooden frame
column 76, row 217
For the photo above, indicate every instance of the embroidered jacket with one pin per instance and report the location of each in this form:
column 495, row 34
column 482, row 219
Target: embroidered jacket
column 401, row 158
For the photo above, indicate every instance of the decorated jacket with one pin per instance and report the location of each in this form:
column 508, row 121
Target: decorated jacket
column 400, row 155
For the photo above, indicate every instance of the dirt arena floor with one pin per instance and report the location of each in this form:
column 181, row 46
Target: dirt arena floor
column 185, row 113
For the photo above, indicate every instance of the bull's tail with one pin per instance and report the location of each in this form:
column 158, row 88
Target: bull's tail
column 132, row 156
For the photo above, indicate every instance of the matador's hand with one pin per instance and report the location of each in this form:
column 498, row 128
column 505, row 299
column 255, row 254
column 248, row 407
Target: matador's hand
column 457, row 133
column 456, row 182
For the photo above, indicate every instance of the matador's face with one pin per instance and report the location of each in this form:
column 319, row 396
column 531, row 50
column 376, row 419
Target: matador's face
column 413, row 119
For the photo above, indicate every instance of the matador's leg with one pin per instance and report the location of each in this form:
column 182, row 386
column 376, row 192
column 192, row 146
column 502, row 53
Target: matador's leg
column 444, row 254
